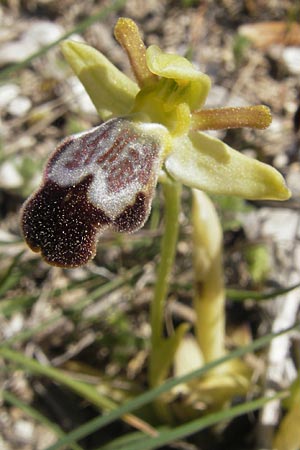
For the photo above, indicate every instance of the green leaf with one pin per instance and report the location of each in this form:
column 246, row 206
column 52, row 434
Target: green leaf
column 239, row 295
column 164, row 355
column 194, row 426
column 151, row 395
column 258, row 260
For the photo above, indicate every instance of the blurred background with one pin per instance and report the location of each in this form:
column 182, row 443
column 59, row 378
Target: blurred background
column 92, row 322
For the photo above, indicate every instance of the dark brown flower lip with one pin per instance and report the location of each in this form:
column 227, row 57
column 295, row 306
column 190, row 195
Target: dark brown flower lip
column 65, row 217
column 64, row 226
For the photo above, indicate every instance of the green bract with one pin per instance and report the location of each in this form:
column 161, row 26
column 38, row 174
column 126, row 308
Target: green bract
column 170, row 98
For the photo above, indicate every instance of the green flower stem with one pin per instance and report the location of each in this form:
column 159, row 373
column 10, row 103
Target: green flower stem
column 172, row 192
column 162, row 348
column 160, row 361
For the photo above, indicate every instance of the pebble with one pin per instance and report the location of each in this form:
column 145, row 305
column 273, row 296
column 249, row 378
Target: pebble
column 39, row 33
column 291, row 58
column 217, row 96
column 280, row 224
column 24, row 430
column 14, row 326
column 43, row 32
column 13, row 52
column 10, row 178
column 82, row 99
column 8, row 92
column 19, row 106
column 293, row 179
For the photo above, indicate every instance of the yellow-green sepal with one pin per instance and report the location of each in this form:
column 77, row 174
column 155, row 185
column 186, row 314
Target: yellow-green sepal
column 193, row 85
column 112, row 92
column 204, row 162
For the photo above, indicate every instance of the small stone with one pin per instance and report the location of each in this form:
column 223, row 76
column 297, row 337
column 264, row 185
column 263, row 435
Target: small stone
column 14, row 326
column 8, row 92
column 13, row 52
column 281, row 224
column 24, row 430
column 291, row 58
column 19, row 106
column 293, row 179
column 43, row 32
column 83, row 101
column 9, row 176
column 217, row 96
column 39, row 33
column 281, row 161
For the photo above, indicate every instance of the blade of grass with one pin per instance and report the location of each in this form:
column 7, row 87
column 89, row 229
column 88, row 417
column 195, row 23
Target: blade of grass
column 15, row 304
column 106, row 288
column 11, row 276
column 129, row 438
column 27, row 334
column 238, row 295
column 194, row 426
column 99, row 422
column 101, row 15
column 36, row 415
column 89, row 393
column 95, row 294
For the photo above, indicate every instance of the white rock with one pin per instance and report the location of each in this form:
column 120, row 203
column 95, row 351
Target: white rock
column 13, row 52
column 9, row 176
column 82, row 99
column 279, row 224
column 19, row 106
column 291, row 57
column 281, row 161
column 24, row 430
column 8, row 92
column 7, row 237
column 217, row 96
column 43, row 32
column 39, row 33
column 293, row 179
column 14, row 326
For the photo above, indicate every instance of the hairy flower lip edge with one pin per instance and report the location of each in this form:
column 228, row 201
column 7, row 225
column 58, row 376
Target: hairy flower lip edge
column 61, row 220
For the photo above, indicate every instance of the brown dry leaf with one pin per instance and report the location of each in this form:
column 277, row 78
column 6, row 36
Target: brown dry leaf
column 264, row 34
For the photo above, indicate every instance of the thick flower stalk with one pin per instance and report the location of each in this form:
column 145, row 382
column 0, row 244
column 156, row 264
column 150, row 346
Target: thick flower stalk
column 106, row 177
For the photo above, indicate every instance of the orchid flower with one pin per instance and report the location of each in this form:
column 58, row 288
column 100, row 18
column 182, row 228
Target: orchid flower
column 152, row 130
